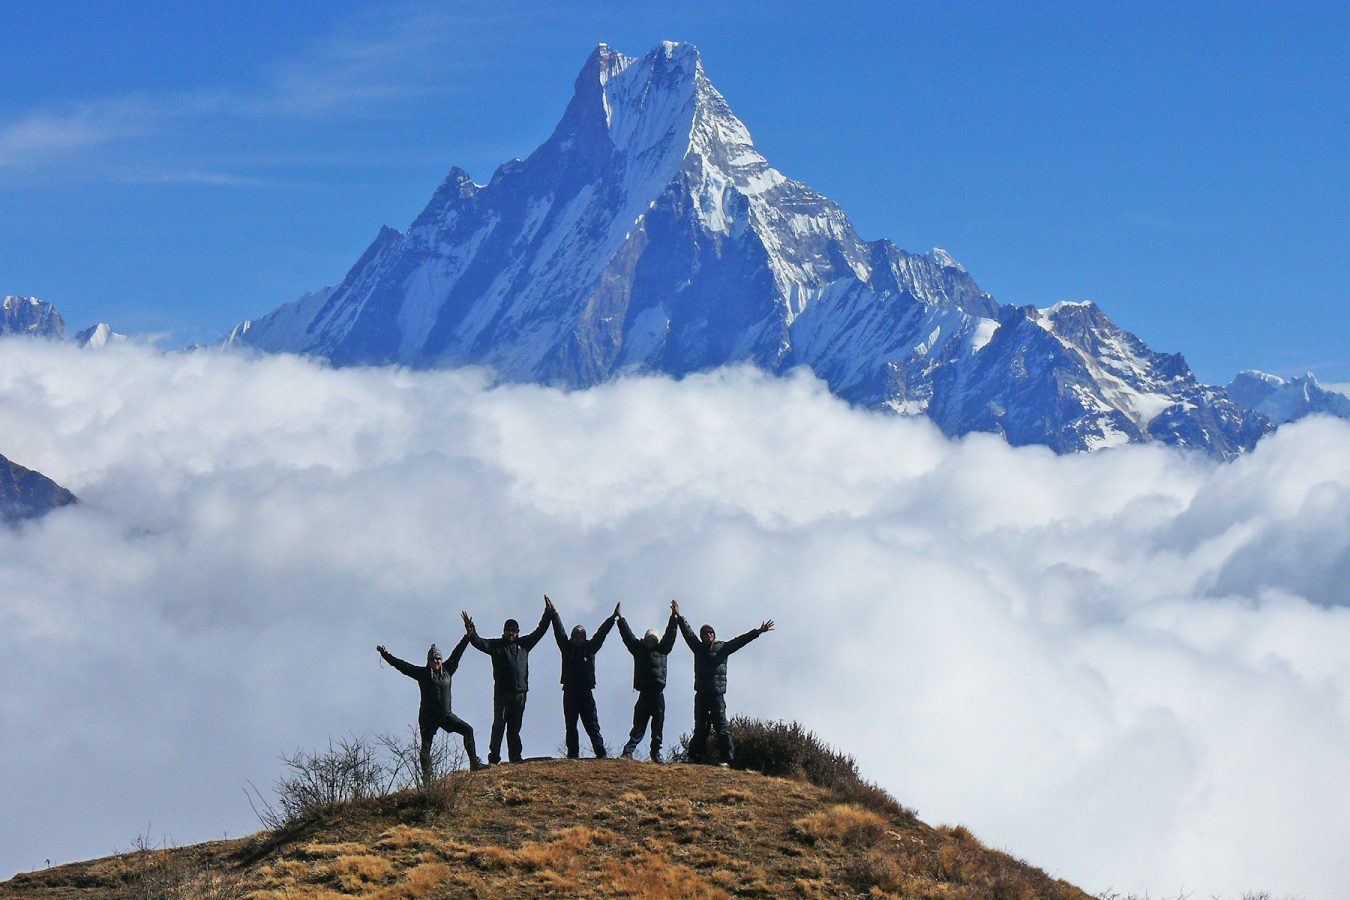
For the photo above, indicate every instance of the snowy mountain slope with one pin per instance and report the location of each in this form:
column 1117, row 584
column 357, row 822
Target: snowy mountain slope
column 25, row 494
column 30, row 316
column 647, row 234
column 1286, row 401
column 98, row 336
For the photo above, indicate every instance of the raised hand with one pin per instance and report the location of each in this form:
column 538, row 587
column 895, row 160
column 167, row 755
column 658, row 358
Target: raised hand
column 382, row 649
column 468, row 622
column 548, row 604
column 767, row 626
column 617, row 614
column 675, row 607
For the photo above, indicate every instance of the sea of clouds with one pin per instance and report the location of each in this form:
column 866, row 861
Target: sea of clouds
column 1131, row 668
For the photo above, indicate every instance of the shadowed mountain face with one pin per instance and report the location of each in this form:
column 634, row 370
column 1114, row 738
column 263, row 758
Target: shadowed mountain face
column 30, row 316
column 25, row 494
column 648, row 235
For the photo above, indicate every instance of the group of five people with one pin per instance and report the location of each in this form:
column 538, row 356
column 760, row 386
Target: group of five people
column 510, row 655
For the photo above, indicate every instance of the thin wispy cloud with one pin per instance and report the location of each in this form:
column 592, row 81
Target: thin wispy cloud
column 349, row 72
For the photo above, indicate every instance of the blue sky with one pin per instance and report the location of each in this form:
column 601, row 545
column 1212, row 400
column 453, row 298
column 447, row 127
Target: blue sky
column 173, row 171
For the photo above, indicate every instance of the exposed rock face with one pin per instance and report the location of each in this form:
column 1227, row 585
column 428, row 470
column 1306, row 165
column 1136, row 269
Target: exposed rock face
column 30, row 316
column 25, row 494
column 647, row 234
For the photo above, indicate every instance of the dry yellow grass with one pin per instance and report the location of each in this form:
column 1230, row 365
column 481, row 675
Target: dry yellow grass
column 607, row 828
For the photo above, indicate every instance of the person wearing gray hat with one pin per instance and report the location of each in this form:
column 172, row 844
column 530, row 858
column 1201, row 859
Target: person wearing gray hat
column 434, row 713
column 649, row 680
column 510, row 680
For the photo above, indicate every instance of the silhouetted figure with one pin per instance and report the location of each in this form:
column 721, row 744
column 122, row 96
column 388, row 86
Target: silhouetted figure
column 649, row 680
column 510, row 680
column 433, row 681
column 578, row 680
column 710, row 683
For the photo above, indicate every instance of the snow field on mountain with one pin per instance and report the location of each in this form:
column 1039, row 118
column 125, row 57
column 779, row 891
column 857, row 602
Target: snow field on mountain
column 1132, row 668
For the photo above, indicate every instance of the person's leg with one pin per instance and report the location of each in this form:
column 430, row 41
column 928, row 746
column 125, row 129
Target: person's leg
column 570, row 713
column 517, row 715
column 700, row 738
column 455, row 725
column 719, row 716
column 657, row 706
column 424, row 755
column 591, row 719
column 500, row 702
column 639, row 724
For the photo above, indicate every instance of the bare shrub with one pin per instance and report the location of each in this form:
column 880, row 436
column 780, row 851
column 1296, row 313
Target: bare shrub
column 789, row 750
column 354, row 769
column 163, row 872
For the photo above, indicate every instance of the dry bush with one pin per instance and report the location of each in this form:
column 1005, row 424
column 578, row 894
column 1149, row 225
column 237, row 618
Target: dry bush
column 656, row 878
column 356, row 872
column 842, row 822
column 788, row 750
column 360, row 768
column 166, row 873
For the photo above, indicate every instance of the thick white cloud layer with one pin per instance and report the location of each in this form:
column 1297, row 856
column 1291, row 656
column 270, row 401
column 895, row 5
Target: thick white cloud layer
column 1131, row 668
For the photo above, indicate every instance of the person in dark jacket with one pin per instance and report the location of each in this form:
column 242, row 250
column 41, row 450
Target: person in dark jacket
column 649, row 680
column 710, row 683
column 510, row 680
column 433, row 680
column 578, row 680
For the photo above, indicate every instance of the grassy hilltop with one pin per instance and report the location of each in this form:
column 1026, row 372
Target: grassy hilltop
column 578, row 828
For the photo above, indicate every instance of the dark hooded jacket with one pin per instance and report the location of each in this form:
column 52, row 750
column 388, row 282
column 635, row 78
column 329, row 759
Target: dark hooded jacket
column 435, row 688
column 649, row 663
column 511, row 659
column 578, row 661
column 710, row 663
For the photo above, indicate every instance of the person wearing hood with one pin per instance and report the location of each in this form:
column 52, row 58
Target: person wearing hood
column 578, row 680
column 649, row 680
column 434, row 713
column 510, row 680
column 710, row 683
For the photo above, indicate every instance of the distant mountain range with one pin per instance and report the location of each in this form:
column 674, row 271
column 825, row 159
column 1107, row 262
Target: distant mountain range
column 32, row 317
column 25, row 494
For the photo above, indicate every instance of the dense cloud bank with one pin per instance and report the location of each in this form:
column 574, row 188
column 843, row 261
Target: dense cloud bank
column 1131, row 668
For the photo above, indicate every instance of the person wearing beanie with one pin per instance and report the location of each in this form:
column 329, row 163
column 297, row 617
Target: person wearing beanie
column 434, row 713
column 510, row 679
column 649, row 680
column 710, row 684
column 578, row 680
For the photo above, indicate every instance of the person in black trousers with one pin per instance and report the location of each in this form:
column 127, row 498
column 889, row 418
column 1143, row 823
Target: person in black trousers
column 578, row 680
column 649, row 680
column 434, row 713
column 510, row 680
column 710, row 683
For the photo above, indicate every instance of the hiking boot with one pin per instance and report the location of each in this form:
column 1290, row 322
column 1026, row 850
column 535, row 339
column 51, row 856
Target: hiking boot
column 476, row 765
column 724, row 765
column 627, row 754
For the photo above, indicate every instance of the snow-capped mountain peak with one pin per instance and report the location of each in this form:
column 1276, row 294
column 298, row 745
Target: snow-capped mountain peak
column 30, row 316
column 647, row 233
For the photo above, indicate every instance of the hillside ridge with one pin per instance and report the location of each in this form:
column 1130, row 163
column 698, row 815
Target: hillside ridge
column 575, row 828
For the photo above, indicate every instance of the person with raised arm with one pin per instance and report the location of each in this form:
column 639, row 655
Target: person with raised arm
column 434, row 713
column 649, row 680
column 578, row 680
column 710, row 684
column 510, row 680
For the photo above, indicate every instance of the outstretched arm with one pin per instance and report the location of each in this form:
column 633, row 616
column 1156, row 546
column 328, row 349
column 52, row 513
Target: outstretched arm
column 529, row 640
column 740, row 641
column 406, row 668
column 471, row 633
column 558, row 634
column 667, row 643
column 689, row 637
column 456, row 654
column 600, row 634
column 626, row 634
